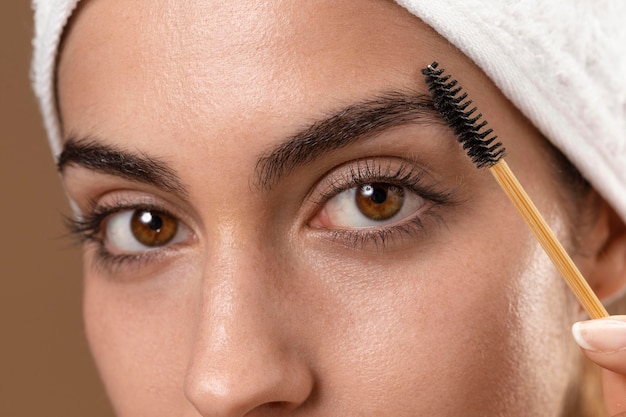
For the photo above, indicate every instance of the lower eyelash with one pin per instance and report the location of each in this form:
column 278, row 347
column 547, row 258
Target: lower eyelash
column 109, row 263
column 380, row 237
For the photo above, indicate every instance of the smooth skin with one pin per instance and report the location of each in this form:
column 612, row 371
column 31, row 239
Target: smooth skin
column 268, row 302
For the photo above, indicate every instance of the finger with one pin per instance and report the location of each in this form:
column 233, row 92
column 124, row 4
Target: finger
column 604, row 342
column 614, row 387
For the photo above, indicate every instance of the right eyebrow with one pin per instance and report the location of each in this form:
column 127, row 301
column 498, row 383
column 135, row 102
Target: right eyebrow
column 91, row 154
column 355, row 122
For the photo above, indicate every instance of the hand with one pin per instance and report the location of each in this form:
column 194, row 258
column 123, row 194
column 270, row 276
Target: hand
column 604, row 342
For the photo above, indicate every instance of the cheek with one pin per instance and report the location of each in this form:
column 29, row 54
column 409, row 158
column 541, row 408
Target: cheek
column 139, row 341
column 487, row 330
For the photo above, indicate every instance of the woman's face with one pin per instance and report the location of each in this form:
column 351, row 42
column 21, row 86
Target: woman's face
column 275, row 223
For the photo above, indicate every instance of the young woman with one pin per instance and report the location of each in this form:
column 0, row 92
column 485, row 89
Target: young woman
column 277, row 222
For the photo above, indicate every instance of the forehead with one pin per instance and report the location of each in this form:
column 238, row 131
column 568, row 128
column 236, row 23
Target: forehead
column 256, row 65
column 239, row 36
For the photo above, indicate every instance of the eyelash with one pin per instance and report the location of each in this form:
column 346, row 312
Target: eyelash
column 89, row 227
column 407, row 175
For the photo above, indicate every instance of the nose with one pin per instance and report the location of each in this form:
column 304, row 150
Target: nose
column 243, row 360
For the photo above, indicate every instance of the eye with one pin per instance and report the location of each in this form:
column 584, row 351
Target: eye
column 368, row 205
column 139, row 230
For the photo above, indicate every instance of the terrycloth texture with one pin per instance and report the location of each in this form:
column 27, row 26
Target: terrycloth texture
column 561, row 62
column 51, row 17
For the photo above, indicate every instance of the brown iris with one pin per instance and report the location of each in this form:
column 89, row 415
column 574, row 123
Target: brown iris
column 378, row 201
column 153, row 228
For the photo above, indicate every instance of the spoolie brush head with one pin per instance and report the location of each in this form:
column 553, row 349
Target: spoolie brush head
column 468, row 128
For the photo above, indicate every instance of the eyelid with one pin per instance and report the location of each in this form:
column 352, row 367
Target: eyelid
column 89, row 228
column 393, row 170
column 109, row 204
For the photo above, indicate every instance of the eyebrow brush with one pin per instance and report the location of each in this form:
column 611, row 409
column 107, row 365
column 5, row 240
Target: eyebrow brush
column 486, row 152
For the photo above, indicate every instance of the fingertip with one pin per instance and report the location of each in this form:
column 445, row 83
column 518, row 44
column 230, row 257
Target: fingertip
column 603, row 341
column 601, row 335
column 577, row 332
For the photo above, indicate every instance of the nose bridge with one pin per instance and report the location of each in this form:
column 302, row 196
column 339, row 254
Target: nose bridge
column 242, row 359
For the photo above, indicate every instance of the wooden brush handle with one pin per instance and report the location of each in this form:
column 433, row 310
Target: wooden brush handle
column 548, row 240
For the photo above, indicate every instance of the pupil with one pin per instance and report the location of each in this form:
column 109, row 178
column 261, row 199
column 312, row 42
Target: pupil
column 153, row 222
column 379, row 195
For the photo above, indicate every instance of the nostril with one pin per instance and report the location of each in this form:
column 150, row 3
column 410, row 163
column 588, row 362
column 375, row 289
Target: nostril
column 276, row 404
column 277, row 408
column 272, row 407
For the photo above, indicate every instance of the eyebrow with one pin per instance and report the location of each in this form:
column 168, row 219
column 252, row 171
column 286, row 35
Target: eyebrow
column 138, row 167
column 343, row 127
column 356, row 122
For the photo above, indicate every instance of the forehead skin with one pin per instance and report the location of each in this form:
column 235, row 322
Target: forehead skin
column 264, row 51
column 209, row 86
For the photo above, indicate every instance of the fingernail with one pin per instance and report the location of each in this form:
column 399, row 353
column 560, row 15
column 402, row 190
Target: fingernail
column 604, row 335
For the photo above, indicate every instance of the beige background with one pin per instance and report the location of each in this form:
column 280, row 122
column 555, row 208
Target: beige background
column 45, row 367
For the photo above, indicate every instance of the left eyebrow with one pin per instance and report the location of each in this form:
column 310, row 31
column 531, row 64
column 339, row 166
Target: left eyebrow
column 343, row 127
column 91, row 154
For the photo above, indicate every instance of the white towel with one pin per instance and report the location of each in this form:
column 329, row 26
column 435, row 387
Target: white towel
column 51, row 16
column 561, row 62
